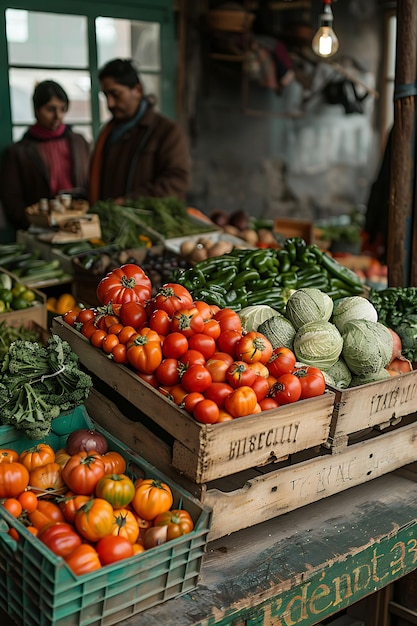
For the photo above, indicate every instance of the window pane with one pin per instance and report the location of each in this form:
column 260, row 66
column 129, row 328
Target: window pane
column 75, row 83
column 139, row 41
column 46, row 39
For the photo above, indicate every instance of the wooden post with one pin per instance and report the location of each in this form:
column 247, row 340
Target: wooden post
column 402, row 223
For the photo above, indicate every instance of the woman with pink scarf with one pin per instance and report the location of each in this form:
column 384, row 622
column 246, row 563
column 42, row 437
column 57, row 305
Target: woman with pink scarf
column 49, row 159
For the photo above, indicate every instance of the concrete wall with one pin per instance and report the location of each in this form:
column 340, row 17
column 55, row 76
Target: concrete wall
column 307, row 160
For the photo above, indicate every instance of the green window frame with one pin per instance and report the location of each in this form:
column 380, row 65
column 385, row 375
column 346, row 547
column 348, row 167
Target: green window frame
column 160, row 11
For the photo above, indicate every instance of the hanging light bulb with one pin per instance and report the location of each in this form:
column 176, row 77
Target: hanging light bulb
column 325, row 42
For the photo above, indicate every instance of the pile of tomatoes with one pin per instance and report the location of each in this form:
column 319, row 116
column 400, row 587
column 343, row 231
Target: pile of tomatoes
column 195, row 353
column 84, row 507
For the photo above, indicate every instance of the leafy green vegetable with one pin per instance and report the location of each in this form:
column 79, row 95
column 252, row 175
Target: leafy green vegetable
column 308, row 304
column 367, row 346
column 38, row 382
column 353, row 308
column 397, row 309
column 9, row 334
column 318, row 343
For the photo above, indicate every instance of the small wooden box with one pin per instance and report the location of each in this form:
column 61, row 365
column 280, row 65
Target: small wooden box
column 377, row 405
column 204, row 452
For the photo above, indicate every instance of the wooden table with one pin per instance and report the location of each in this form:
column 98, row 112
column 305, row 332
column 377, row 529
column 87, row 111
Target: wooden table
column 306, row 565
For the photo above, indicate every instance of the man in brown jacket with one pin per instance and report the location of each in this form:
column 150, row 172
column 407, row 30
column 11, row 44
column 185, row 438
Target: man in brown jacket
column 139, row 152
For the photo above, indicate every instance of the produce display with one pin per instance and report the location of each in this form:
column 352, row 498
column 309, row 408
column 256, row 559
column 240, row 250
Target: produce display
column 267, row 276
column 194, row 353
column 38, row 382
column 28, row 266
column 81, row 503
column 14, row 295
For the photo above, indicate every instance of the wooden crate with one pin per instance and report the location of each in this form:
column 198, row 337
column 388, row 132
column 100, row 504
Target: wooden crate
column 288, row 227
column 259, row 494
column 376, row 406
column 205, row 452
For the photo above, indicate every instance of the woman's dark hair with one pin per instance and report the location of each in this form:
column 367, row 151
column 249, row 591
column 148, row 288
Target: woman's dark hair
column 122, row 71
column 46, row 90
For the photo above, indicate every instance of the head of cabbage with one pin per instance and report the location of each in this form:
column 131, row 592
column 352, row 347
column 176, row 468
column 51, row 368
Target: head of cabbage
column 352, row 308
column 367, row 346
column 318, row 344
column 308, row 304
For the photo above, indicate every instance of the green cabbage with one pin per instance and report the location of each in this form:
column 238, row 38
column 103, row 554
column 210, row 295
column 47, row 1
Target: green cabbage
column 279, row 331
column 318, row 343
column 367, row 346
column 339, row 373
column 308, row 305
column 381, row 374
column 252, row 316
column 353, row 308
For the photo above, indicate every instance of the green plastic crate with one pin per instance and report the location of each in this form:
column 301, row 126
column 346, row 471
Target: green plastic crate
column 37, row 588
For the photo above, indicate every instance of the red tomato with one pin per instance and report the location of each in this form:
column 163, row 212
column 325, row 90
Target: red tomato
column 212, row 328
column 227, row 341
column 29, row 501
column 205, row 309
column 71, row 317
column 282, row 361
column 60, row 537
column 14, row 478
column 196, row 378
column 206, row 412
column 160, row 322
column 224, row 416
column 86, row 315
column 124, row 284
column 174, row 345
column 171, row 297
column 119, row 353
column 239, row 373
column 218, row 366
column 177, row 393
column 126, row 333
column 192, row 357
column 191, row 400
column 151, row 379
column 113, row 548
column 83, row 559
column 241, row 402
column 133, row 314
column 94, row 520
column 97, row 338
column 312, row 381
column 218, row 392
column 287, row 389
column 203, row 343
column 83, row 471
column 13, row 506
column 168, row 373
column 268, row 403
column 88, row 328
column 228, row 320
column 260, row 386
column 110, row 342
column 187, row 321
column 253, row 347
column 259, row 368
column 105, row 320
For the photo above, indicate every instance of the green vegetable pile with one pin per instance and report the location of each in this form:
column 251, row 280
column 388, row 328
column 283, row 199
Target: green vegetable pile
column 143, row 219
column 268, row 276
column 38, row 382
column 9, row 334
column 397, row 309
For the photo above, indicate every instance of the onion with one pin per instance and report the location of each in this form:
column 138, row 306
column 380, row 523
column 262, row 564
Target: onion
column 401, row 365
column 396, row 345
column 84, row 440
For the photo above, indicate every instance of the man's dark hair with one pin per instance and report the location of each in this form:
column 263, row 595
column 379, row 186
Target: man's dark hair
column 122, row 71
column 45, row 91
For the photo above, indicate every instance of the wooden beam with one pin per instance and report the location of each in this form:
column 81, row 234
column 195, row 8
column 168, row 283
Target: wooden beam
column 401, row 200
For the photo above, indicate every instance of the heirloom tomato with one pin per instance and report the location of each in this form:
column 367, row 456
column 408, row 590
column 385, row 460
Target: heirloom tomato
column 45, row 513
column 114, row 462
column 83, row 559
column 60, row 537
column 239, row 373
column 7, row 455
column 124, row 284
column 83, row 471
column 242, row 401
column 188, row 321
column 228, row 320
column 287, row 389
column 205, row 309
column 47, row 477
column 125, row 524
column 171, row 297
column 212, row 328
column 113, row 548
column 312, row 381
column 36, row 456
column 282, row 361
column 253, row 347
column 152, row 497
column 94, row 519
column 218, row 365
column 14, row 478
column 179, row 522
column 144, row 351
column 117, row 489
column 70, row 505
